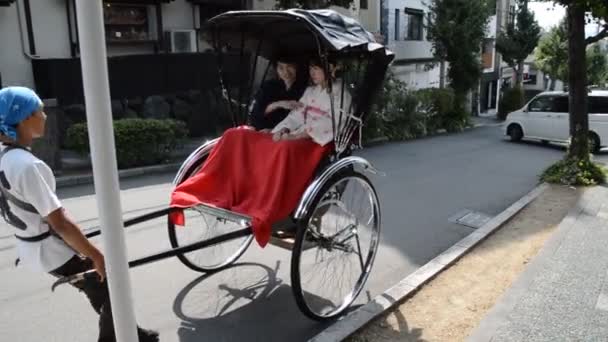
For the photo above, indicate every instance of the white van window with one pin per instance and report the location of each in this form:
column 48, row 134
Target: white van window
column 541, row 104
column 560, row 104
column 598, row 105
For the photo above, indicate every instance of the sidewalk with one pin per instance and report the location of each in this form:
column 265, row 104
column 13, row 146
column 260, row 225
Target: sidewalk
column 486, row 120
column 563, row 293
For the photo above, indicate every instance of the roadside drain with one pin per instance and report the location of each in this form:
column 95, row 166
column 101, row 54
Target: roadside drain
column 470, row 218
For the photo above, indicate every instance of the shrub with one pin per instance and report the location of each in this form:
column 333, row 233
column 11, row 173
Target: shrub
column 372, row 127
column 138, row 141
column 512, row 99
column 395, row 113
column 401, row 114
column 437, row 106
column 571, row 171
column 401, row 119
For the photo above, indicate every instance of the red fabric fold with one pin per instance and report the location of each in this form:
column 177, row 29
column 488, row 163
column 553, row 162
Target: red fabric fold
column 249, row 173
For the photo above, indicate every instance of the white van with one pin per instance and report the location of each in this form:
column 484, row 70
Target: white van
column 545, row 118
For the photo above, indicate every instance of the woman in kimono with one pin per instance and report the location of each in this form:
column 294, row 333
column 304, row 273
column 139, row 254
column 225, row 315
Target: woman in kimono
column 312, row 119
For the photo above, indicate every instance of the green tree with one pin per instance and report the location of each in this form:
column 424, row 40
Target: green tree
column 456, row 30
column 597, row 66
column 519, row 39
column 551, row 55
column 310, row 4
column 577, row 159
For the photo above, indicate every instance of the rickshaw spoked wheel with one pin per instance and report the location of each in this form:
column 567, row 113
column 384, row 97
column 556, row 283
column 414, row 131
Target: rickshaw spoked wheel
column 336, row 245
column 200, row 226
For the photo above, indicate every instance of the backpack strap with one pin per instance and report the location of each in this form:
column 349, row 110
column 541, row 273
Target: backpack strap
column 5, row 186
column 6, row 196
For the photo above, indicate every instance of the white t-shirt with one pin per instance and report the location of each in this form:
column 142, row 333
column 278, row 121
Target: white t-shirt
column 33, row 182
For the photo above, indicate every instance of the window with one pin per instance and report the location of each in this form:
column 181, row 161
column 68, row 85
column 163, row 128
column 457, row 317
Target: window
column 541, row 104
column 413, row 24
column 598, row 105
column 561, row 104
column 487, row 54
column 397, row 24
column 511, row 16
column 363, row 4
column 530, row 79
column 126, row 23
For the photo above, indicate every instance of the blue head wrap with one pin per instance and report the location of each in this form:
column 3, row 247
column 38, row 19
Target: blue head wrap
column 16, row 105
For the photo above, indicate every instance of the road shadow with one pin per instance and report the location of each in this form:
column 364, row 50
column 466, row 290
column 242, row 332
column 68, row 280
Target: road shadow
column 391, row 327
column 246, row 302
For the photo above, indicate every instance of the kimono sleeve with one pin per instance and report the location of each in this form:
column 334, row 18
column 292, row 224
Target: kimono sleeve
column 295, row 120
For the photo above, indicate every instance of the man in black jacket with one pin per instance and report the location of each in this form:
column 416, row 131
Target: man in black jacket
column 277, row 97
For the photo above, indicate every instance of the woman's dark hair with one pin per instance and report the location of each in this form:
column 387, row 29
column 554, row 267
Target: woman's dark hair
column 320, row 62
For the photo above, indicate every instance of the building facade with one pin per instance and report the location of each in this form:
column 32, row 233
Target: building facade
column 490, row 85
column 403, row 27
column 40, row 32
column 35, row 30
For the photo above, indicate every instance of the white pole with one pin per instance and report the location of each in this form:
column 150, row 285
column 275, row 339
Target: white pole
column 101, row 137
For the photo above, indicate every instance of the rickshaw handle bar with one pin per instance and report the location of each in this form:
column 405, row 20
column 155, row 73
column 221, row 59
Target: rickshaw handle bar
column 220, row 213
column 191, row 247
column 162, row 255
column 136, row 220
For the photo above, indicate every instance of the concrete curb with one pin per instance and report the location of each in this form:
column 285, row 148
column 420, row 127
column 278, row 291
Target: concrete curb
column 355, row 320
column 66, row 181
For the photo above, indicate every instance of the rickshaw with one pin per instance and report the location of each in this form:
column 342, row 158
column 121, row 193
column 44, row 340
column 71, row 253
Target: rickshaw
column 337, row 219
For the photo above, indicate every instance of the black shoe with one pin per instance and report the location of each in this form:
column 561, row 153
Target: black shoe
column 107, row 339
column 146, row 335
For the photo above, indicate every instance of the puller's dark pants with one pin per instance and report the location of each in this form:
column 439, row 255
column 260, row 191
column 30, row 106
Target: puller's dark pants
column 95, row 290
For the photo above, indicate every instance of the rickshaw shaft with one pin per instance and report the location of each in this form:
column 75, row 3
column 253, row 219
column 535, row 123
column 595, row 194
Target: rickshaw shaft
column 163, row 255
column 191, row 247
column 136, row 220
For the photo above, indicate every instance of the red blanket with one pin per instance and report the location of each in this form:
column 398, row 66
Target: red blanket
column 248, row 173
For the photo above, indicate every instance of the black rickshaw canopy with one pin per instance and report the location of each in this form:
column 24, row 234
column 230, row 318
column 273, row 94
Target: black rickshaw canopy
column 304, row 34
column 301, row 32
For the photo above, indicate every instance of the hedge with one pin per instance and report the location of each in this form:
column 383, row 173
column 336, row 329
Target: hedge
column 139, row 142
column 401, row 114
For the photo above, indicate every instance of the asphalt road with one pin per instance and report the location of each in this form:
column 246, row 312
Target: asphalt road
column 426, row 182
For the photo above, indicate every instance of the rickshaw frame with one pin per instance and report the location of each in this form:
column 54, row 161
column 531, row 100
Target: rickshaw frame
column 342, row 165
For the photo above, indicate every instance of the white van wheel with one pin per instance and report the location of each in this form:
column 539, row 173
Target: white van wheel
column 594, row 142
column 515, row 132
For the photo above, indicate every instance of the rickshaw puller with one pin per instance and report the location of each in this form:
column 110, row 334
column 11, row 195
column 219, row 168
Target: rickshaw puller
column 48, row 240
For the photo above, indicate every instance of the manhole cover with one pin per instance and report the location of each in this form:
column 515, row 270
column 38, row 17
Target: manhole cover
column 470, row 218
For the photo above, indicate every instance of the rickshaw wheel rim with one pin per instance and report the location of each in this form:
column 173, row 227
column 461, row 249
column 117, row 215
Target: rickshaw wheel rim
column 359, row 285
